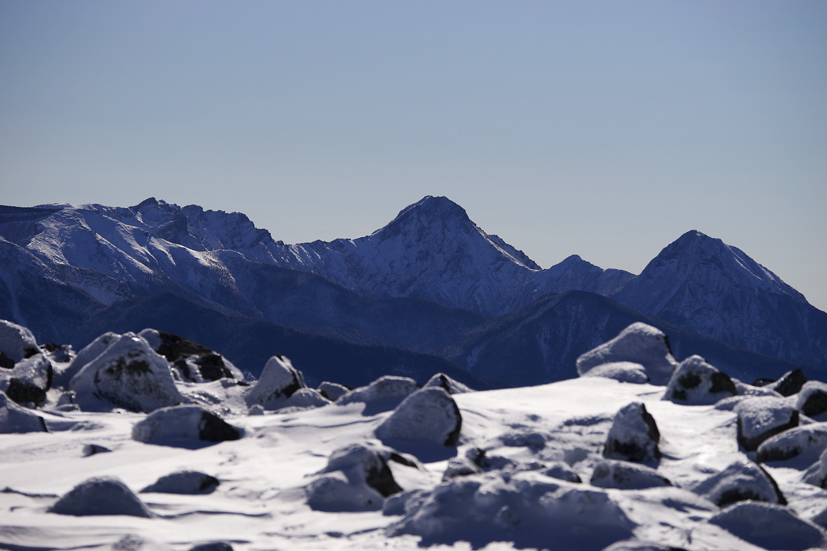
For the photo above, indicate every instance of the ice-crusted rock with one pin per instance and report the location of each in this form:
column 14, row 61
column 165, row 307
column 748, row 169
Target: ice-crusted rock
column 183, row 482
column 523, row 508
column 634, row 435
column 695, row 382
column 28, row 381
column 86, row 355
column 385, row 388
column 460, row 466
column 356, row 478
column 807, row 439
column 16, row 344
column 428, row 414
column 812, row 399
column 561, row 471
column 740, row 481
column 625, row 372
column 191, row 361
column 333, row 391
column 100, row 496
column 15, row 419
column 769, row 526
column 127, row 374
column 790, row 383
column 279, row 380
column 626, row 476
column 172, row 424
column 762, row 418
column 744, row 389
column 639, row 343
column 447, row 384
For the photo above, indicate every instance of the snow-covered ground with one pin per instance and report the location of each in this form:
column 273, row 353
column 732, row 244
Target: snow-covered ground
column 528, row 469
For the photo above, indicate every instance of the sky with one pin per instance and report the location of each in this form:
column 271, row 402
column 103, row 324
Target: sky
column 599, row 128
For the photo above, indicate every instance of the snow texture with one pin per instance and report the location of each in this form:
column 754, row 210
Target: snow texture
column 126, row 374
column 427, row 414
column 740, row 481
column 769, row 526
column 626, row 476
column 173, row 424
column 761, row 418
column 634, row 435
column 639, row 343
column 695, row 382
column 100, row 496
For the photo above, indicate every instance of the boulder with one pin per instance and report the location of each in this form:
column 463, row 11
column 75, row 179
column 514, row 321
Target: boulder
column 447, row 384
column 634, row 435
column 92, row 449
column 127, row 374
column 807, row 439
column 625, row 372
column 817, row 473
column 428, row 414
column 213, row 546
column 626, row 476
column 279, row 380
column 100, row 496
column 695, row 382
column 28, row 381
column 183, row 482
column 86, row 355
column 306, row 398
column 769, row 526
column 191, row 361
column 333, row 391
column 356, row 478
column 812, row 399
column 15, row 419
column 172, row 424
column 385, row 388
column 740, row 481
column 790, row 383
column 561, row 471
column 16, row 344
column 762, row 418
column 639, row 343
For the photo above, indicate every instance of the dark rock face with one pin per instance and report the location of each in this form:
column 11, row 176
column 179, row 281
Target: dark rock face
column 28, row 380
column 100, row 496
column 790, row 383
column 812, row 399
column 214, row 429
column 23, row 393
column 759, row 419
column 92, row 449
column 695, row 382
column 740, row 481
column 215, row 546
column 183, row 482
column 177, row 349
column 634, row 435
column 5, row 361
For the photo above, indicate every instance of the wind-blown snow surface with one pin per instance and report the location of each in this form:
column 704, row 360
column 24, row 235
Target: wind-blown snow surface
column 321, row 478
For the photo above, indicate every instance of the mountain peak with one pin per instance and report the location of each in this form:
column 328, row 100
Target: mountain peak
column 430, row 211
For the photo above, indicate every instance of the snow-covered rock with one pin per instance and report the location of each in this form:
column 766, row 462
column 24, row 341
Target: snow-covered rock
column 126, row 374
column 172, row 424
column 639, row 343
column 213, row 546
column 16, row 343
column 427, row 414
column 561, row 471
column 695, row 382
column 191, row 361
column 626, row 476
column 85, row 356
column 278, row 381
column 306, row 398
column 769, row 526
column 388, row 387
column 183, row 482
column 333, row 391
column 761, row 418
column 634, row 435
column 812, row 399
column 742, row 480
column 16, row 419
column 807, row 439
column 817, row 473
column 790, row 383
column 446, row 383
column 625, row 372
column 100, row 496
column 28, row 381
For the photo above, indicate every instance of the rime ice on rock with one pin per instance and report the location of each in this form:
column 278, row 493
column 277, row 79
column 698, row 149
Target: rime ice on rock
column 762, row 418
column 279, row 380
column 809, row 439
column 812, row 399
column 626, row 476
column 192, row 361
column 16, row 419
column 740, row 481
column 29, row 380
column 16, row 344
column 183, row 482
column 447, row 384
column 695, row 382
column 333, row 391
column 100, row 496
column 85, row 356
column 428, row 414
column 769, row 526
column 639, row 343
column 172, row 424
column 387, row 387
column 127, row 374
column 634, row 435
column 625, row 372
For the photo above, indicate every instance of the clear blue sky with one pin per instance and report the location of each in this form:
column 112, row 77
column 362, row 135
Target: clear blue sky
column 605, row 129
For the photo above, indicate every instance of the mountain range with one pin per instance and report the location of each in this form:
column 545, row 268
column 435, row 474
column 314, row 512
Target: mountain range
column 427, row 289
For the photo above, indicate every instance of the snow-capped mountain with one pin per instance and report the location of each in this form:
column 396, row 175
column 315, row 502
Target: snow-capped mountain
column 716, row 290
